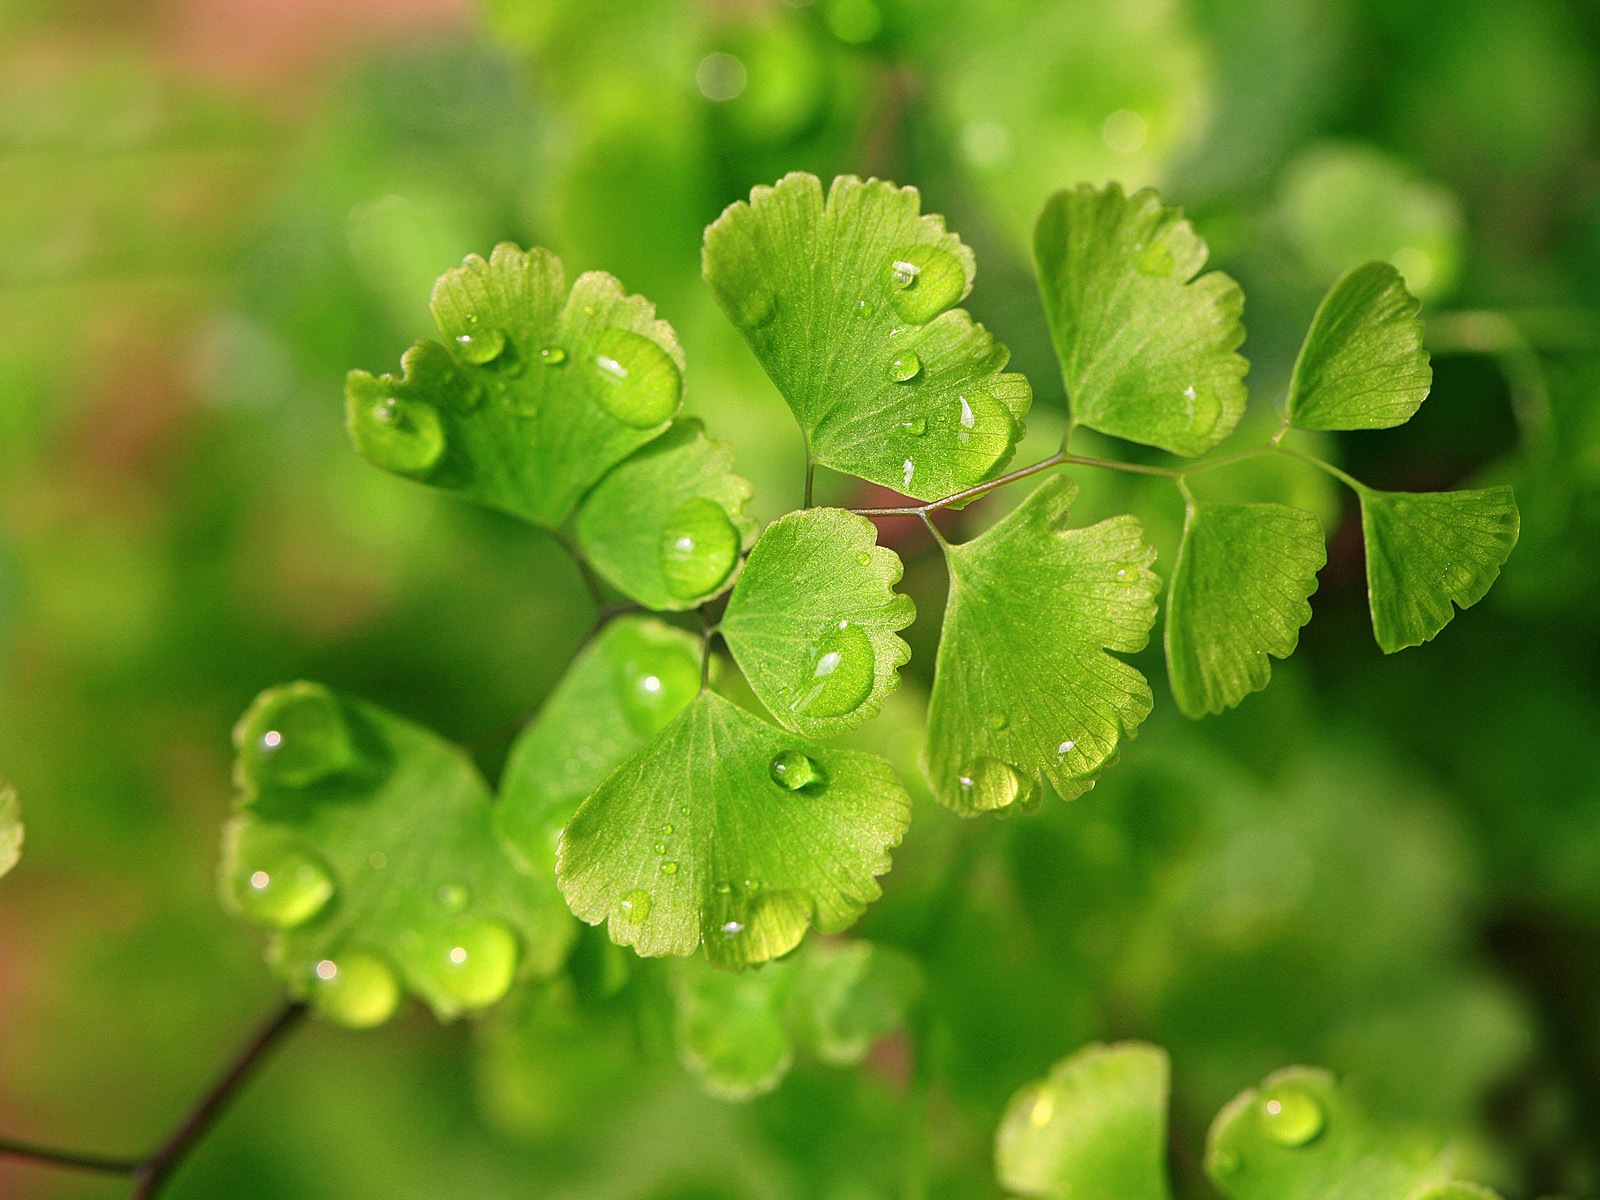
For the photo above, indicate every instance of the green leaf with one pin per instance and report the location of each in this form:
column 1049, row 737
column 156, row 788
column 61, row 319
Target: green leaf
column 1427, row 549
column 539, row 393
column 10, row 828
column 728, row 831
column 623, row 688
column 1362, row 365
column 729, row 1027
column 364, row 842
column 1460, row 1190
column 667, row 526
column 1239, row 593
column 849, row 305
column 812, row 621
column 1096, row 1129
column 1300, row 1137
column 1023, row 684
column 848, row 994
column 1147, row 349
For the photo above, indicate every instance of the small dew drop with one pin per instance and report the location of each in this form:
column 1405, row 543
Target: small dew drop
column 669, row 868
column 552, row 356
column 792, row 770
column 989, row 784
column 731, row 928
column 327, row 969
column 666, row 830
column 997, row 721
column 865, row 309
column 482, row 347
column 275, row 881
column 904, row 367
column 356, row 990
column 903, row 272
column 386, row 411
column 661, row 847
column 635, row 905
column 863, row 558
column 1291, row 1116
column 916, row 427
column 473, row 962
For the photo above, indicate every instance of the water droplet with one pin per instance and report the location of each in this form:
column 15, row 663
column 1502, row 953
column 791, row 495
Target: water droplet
column 731, row 928
column 990, row 784
column 552, row 356
column 1224, row 1163
column 355, row 989
column 1200, row 406
column 472, row 963
column 661, row 847
column 481, row 347
column 453, row 897
column 1155, row 259
column 904, row 366
column 295, row 736
column 866, row 309
column 863, row 558
column 635, row 905
column 724, row 888
column 669, row 868
column 274, row 880
column 1290, row 1115
column 916, row 426
column 698, row 548
column 751, row 885
column 666, row 830
column 1067, row 747
column 934, row 280
column 403, row 436
column 841, row 674
column 635, row 380
column 794, row 770
column 997, row 721
column 655, row 686
column 1042, row 1108
column 985, row 433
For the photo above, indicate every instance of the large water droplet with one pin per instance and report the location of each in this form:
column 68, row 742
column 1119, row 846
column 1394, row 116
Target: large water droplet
column 655, row 686
column 473, row 962
column 1155, row 259
column 989, row 784
column 793, row 770
column 634, row 905
column 1290, row 1115
column 403, row 436
column 355, row 989
column 276, row 881
column 295, row 736
column 699, row 546
column 1201, row 407
column 481, row 346
column 934, row 280
column 985, row 433
column 635, row 380
column 840, row 675
column 903, row 367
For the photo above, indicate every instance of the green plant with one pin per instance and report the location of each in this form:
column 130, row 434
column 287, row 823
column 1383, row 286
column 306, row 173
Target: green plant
column 695, row 800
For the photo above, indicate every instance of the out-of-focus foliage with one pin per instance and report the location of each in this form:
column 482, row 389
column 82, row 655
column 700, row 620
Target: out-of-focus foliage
column 1382, row 866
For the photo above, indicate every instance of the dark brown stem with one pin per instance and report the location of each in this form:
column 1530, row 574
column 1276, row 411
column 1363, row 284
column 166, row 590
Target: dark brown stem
column 67, row 1158
column 150, row 1176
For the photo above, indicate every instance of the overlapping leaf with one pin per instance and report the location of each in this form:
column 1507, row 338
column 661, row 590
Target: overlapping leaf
column 536, row 393
column 1427, row 550
column 727, row 831
column 1238, row 594
column 624, row 687
column 364, row 841
column 667, row 526
column 1024, row 685
column 850, row 306
column 1147, row 344
column 1095, row 1129
column 813, row 621
column 1362, row 365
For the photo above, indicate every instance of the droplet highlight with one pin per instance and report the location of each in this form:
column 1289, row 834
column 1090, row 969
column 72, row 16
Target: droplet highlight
column 793, row 770
column 989, row 784
column 635, row 380
column 552, row 356
column 274, row 880
column 483, row 346
column 1290, row 1115
column 472, row 963
column 698, row 549
column 904, row 367
column 669, row 868
column 924, row 281
column 355, row 989
column 654, row 688
column 294, row 737
column 635, row 905
column 403, row 436
column 985, row 433
column 840, row 676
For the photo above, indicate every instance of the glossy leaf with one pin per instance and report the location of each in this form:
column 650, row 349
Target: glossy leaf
column 536, row 393
column 10, row 828
column 1147, row 344
column 1238, row 594
column 666, row 527
column 703, row 836
column 364, row 842
column 1024, row 685
column 1095, row 1129
column 1363, row 365
column 1299, row 1136
column 1427, row 550
column 813, row 621
column 623, row 688
column 850, row 306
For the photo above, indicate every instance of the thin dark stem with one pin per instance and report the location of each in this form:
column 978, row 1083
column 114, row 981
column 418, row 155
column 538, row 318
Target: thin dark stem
column 1111, row 464
column 706, row 630
column 811, row 472
column 971, row 493
column 150, row 1176
column 67, row 1158
column 591, row 581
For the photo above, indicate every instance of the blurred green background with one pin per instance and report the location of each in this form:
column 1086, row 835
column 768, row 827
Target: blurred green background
column 211, row 209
